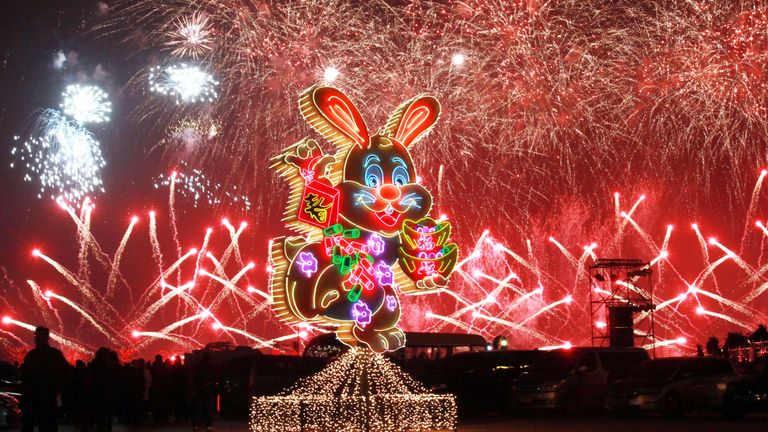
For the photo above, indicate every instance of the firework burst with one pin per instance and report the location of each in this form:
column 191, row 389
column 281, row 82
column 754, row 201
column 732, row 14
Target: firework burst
column 191, row 36
column 63, row 157
column 541, row 98
column 86, row 104
column 186, row 83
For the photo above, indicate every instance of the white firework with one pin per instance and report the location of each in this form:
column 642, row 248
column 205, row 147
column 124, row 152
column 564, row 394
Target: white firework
column 187, row 83
column 86, row 104
column 191, row 36
column 63, row 157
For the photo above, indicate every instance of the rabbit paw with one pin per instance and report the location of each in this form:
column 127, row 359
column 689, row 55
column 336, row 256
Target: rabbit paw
column 395, row 338
column 380, row 341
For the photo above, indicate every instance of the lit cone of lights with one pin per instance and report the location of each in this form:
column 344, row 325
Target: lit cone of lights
column 360, row 391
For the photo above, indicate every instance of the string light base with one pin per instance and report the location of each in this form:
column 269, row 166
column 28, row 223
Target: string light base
column 361, row 391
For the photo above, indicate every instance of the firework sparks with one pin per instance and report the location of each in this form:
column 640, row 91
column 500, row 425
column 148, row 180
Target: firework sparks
column 63, row 157
column 112, row 314
column 189, row 135
column 86, row 104
column 503, row 291
column 194, row 185
column 7, row 320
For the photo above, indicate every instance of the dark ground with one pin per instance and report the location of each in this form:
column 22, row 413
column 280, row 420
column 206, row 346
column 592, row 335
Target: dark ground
column 600, row 423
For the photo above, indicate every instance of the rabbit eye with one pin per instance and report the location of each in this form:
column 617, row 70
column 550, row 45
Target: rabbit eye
column 400, row 176
column 374, row 176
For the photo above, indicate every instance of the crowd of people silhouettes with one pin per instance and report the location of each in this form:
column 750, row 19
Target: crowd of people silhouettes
column 91, row 396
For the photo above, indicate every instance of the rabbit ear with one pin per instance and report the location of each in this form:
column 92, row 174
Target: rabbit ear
column 330, row 112
column 413, row 119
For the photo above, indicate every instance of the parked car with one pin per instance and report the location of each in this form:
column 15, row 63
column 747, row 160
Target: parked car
column 10, row 378
column 480, row 380
column 572, row 379
column 673, row 385
column 748, row 392
column 10, row 414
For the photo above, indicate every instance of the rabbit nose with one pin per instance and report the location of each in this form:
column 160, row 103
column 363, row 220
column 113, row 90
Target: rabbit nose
column 389, row 192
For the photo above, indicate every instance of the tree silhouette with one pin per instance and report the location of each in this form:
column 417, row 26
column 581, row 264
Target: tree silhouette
column 759, row 335
column 735, row 340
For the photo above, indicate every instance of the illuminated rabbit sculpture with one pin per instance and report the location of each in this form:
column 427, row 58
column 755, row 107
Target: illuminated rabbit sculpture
column 362, row 216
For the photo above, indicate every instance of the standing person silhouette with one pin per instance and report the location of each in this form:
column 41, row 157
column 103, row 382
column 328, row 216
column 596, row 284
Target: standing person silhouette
column 42, row 377
column 203, row 392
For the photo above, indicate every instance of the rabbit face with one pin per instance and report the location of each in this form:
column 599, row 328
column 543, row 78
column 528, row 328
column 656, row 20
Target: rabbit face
column 379, row 187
